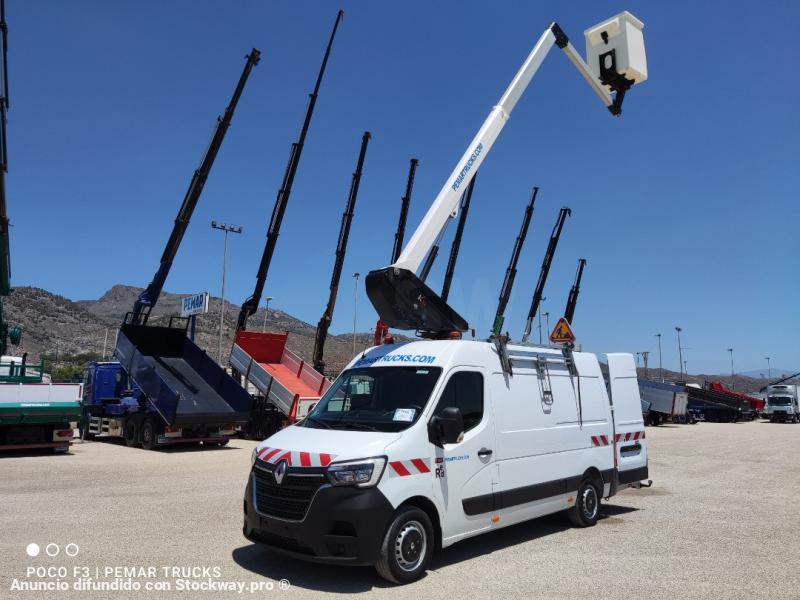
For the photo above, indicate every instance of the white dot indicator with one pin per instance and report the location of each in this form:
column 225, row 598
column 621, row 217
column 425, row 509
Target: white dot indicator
column 72, row 549
column 32, row 549
column 52, row 549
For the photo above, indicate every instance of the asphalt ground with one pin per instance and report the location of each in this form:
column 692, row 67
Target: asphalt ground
column 722, row 520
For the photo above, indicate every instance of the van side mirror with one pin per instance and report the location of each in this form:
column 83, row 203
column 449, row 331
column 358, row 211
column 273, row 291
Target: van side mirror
column 447, row 427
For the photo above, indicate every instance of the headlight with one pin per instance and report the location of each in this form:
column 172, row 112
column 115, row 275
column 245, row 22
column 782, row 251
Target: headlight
column 253, row 456
column 365, row 472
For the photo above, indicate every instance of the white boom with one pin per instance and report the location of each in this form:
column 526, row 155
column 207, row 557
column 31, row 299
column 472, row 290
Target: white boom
column 445, row 206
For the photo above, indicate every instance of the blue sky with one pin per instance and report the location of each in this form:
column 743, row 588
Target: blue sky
column 685, row 207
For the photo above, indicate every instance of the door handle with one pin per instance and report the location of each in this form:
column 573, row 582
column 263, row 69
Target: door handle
column 484, row 452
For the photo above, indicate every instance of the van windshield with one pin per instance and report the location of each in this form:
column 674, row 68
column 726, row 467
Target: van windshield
column 375, row 399
column 780, row 400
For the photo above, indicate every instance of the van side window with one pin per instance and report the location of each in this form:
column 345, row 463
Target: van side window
column 464, row 391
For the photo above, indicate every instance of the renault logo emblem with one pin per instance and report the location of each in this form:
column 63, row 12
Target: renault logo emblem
column 279, row 472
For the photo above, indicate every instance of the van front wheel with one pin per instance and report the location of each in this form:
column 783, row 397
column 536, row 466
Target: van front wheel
column 407, row 546
column 586, row 509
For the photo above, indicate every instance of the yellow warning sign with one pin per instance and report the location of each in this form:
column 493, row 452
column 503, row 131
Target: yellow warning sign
column 562, row 333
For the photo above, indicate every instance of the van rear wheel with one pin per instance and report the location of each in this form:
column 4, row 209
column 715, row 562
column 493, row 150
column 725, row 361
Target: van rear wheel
column 407, row 547
column 586, row 510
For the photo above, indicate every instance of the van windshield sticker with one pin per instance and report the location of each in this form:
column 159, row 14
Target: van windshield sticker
column 406, row 415
column 425, row 359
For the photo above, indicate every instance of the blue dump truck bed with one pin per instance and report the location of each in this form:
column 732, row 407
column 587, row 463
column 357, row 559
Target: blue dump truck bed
column 181, row 382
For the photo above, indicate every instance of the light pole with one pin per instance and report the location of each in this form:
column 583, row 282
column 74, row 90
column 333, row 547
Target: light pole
column 547, row 323
column 686, row 369
column 355, row 306
column 226, row 229
column 660, row 366
column 733, row 381
column 680, row 351
column 645, row 354
column 266, row 310
column 769, row 370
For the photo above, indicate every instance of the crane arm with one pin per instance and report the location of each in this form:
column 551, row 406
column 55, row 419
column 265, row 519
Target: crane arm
column 445, row 206
column 572, row 300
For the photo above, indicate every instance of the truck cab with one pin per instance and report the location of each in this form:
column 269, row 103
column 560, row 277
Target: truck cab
column 782, row 404
column 419, row 445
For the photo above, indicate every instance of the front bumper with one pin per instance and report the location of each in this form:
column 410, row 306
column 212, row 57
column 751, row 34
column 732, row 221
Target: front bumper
column 343, row 525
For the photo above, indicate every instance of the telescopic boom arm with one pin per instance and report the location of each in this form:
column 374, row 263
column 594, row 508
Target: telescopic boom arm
column 250, row 305
column 569, row 311
column 149, row 297
column 341, row 249
column 511, row 271
column 548, row 260
column 401, row 297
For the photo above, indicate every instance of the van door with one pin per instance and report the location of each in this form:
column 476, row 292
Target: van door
column 465, row 472
column 631, row 451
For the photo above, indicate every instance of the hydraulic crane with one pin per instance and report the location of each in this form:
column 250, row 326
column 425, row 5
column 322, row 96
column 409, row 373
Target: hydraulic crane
column 511, row 270
column 250, row 305
column 341, row 249
column 569, row 311
column 381, row 328
column 615, row 50
column 149, row 297
column 7, row 333
column 451, row 263
column 546, row 262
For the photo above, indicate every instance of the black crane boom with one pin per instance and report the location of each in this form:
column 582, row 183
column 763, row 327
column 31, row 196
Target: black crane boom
column 454, row 248
column 548, row 260
column 511, row 270
column 149, row 297
column 569, row 311
column 250, row 305
column 341, row 249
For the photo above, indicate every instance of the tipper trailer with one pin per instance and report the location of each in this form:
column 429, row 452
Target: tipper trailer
column 712, row 405
column 162, row 390
column 665, row 401
column 287, row 387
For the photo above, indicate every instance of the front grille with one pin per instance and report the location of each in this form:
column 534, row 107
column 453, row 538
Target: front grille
column 290, row 499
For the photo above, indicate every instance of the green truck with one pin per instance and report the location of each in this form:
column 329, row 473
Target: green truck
column 35, row 413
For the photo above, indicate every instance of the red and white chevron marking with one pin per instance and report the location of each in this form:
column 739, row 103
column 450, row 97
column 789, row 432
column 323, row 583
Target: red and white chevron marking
column 404, row 468
column 605, row 440
column 294, row 458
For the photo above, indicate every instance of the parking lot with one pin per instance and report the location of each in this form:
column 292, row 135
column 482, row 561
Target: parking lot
column 721, row 520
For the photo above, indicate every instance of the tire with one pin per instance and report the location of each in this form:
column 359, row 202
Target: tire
column 149, row 434
column 223, row 443
column 586, row 509
column 407, row 546
column 131, row 433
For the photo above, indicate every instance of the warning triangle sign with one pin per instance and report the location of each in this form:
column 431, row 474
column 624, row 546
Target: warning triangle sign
column 562, row 333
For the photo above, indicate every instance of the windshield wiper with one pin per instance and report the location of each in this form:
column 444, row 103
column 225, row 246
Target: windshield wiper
column 347, row 424
column 320, row 421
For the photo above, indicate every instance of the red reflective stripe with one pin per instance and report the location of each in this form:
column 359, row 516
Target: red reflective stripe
column 325, row 459
column 261, row 452
column 617, row 437
column 594, row 441
column 270, row 454
column 305, row 459
column 399, row 468
column 420, row 464
column 627, row 436
column 605, row 440
column 636, row 436
column 286, row 455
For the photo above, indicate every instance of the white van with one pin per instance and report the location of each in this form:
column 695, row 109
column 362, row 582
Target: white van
column 419, row 445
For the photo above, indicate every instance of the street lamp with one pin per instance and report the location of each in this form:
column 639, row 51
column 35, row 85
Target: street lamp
column 660, row 366
column 355, row 306
column 733, row 381
column 266, row 310
column 226, row 229
column 769, row 370
column 686, row 369
column 540, row 322
column 547, row 322
column 680, row 351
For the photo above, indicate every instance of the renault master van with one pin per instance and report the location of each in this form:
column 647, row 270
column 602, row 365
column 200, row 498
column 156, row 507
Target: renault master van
column 419, row 445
